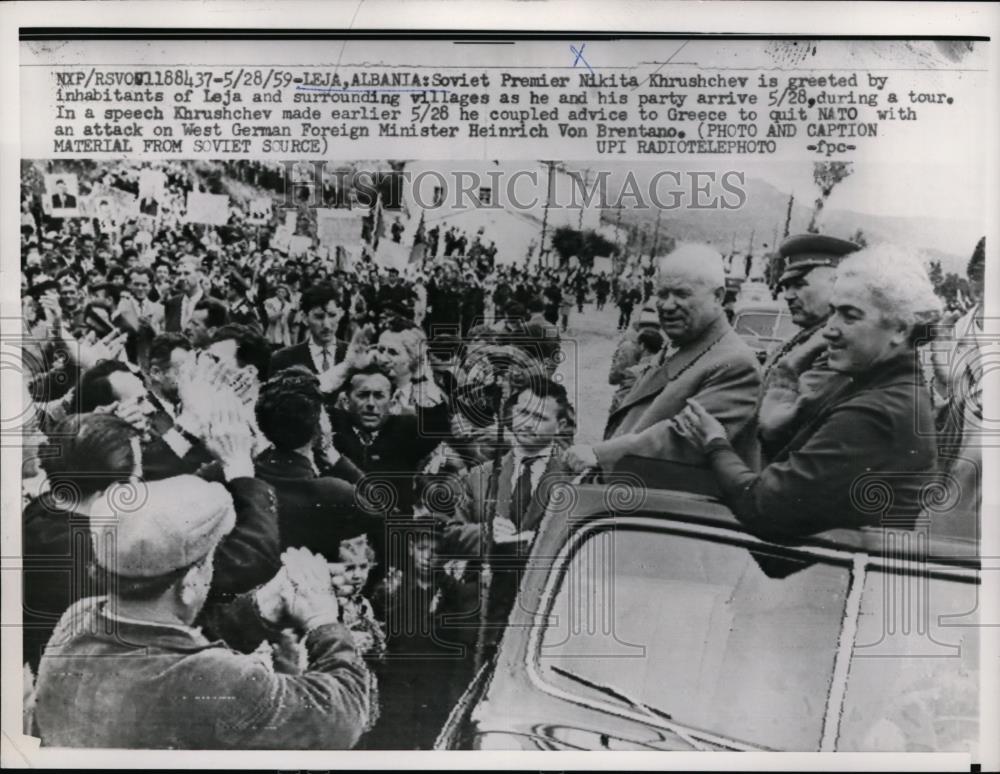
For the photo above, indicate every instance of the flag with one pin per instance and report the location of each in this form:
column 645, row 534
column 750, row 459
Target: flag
column 419, row 250
column 378, row 223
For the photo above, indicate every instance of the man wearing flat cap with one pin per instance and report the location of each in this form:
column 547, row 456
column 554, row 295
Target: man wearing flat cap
column 796, row 377
column 130, row 670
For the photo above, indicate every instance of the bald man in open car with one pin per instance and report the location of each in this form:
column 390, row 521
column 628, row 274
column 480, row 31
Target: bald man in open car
column 705, row 359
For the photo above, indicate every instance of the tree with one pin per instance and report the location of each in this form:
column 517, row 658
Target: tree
column 950, row 287
column 584, row 245
column 827, row 175
column 936, row 274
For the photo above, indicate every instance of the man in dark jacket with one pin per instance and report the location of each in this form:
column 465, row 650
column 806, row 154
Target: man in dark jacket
column 314, row 483
column 797, row 380
column 387, row 447
column 324, row 312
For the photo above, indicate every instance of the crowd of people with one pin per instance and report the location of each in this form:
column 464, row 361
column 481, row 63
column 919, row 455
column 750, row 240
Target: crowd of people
column 277, row 483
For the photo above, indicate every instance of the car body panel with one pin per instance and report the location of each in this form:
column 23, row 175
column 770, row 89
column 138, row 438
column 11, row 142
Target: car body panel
column 516, row 704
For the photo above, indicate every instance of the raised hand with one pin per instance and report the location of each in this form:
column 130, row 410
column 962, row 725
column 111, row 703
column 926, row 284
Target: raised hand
column 309, row 594
column 135, row 411
column 229, row 438
column 801, row 357
column 49, row 302
column 504, row 531
column 580, row 458
column 90, row 353
column 360, row 342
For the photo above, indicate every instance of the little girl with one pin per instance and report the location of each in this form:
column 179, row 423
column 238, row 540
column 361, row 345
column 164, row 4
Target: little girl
column 357, row 557
column 356, row 613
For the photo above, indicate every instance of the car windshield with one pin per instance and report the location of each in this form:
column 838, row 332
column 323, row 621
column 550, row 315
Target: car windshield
column 710, row 634
column 760, row 324
column 785, row 328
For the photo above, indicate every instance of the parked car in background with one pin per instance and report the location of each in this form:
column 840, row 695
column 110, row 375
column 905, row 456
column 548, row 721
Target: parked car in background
column 649, row 619
column 764, row 325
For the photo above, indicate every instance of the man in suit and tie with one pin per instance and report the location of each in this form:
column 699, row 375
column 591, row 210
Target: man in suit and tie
column 61, row 200
column 540, row 418
column 143, row 317
column 322, row 308
column 706, row 360
column 179, row 309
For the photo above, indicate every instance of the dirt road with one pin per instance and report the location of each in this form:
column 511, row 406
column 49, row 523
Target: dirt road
column 588, row 346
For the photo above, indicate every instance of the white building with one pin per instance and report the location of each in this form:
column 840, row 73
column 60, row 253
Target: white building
column 506, row 199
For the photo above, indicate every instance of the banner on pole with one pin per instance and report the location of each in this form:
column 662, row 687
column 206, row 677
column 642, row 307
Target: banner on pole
column 281, row 239
column 259, row 211
column 207, row 208
column 338, row 227
column 297, row 245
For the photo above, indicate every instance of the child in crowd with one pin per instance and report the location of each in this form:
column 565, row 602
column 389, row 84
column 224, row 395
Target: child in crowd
column 357, row 558
column 429, row 657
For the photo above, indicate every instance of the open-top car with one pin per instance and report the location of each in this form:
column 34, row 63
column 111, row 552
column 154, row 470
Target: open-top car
column 650, row 619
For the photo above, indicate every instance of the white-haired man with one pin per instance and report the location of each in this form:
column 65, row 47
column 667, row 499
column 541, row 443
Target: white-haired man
column 706, row 360
column 870, row 437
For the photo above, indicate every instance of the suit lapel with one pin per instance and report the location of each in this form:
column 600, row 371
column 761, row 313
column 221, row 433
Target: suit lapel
column 654, row 380
column 554, row 473
column 504, row 489
column 307, row 358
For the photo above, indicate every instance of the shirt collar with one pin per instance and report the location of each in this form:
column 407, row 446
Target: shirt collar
column 192, row 300
column 316, row 350
column 544, row 454
column 367, row 437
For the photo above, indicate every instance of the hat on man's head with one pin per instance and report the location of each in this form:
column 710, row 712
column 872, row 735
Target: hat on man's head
column 179, row 523
column 804, row 252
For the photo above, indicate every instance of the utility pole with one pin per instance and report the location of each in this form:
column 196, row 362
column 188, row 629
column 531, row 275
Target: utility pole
column 545, row 210
column 656, row 235
column 788, row 215
column 586, row 182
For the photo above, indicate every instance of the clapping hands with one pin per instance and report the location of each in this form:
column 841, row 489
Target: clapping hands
column 218, row 406
column 301, row 593
column 90, row 350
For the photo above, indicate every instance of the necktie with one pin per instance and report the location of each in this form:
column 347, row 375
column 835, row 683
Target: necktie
column 326, row 359
column 520, row 500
